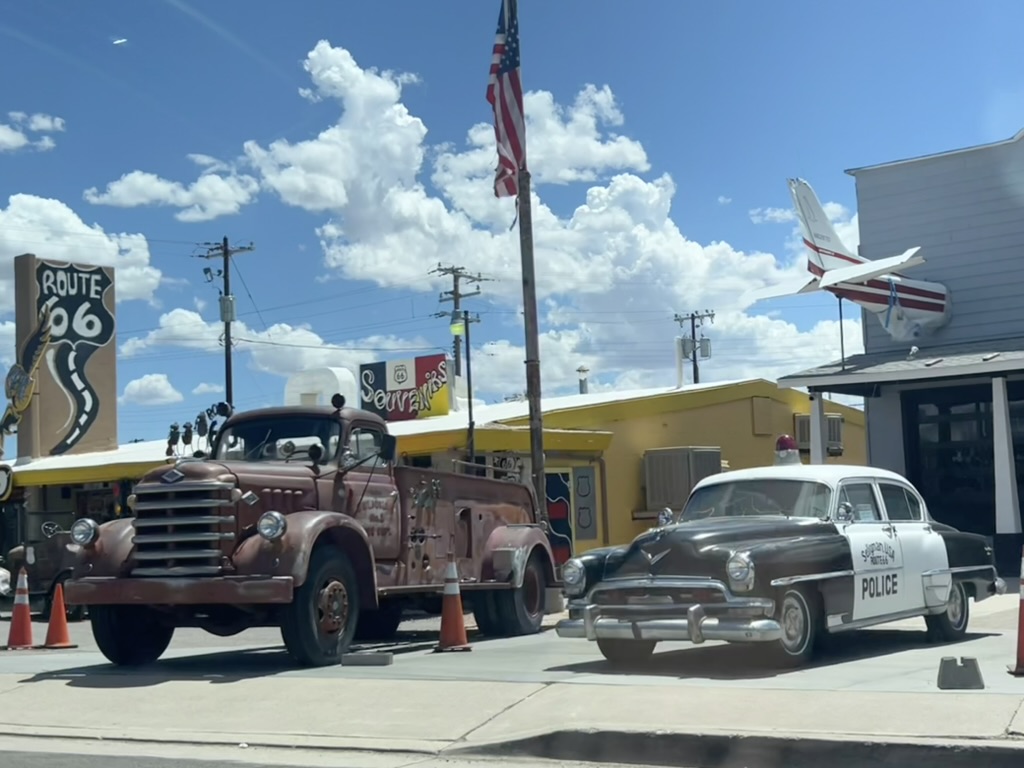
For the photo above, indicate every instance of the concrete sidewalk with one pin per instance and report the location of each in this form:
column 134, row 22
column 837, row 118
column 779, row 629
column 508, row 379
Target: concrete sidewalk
column 431, row 717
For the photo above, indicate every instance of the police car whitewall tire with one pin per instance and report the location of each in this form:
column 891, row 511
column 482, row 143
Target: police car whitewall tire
column 951, row 624
column 626, row 652
column 798, row 611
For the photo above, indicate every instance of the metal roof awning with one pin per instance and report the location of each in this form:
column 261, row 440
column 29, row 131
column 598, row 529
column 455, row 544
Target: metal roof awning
column 859, row 373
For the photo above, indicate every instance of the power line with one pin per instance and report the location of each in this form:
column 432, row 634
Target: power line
column 455, row 296
column 704, row 347
column 228, row 311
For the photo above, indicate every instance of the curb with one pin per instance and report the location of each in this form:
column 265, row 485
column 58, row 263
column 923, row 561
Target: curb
column 740, row 750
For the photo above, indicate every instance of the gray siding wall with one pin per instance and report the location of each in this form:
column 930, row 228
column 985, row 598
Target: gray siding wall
column 966, row 211
column 884, row 423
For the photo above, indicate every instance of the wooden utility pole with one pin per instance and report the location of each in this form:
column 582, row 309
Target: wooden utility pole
column 533, row 388
column 228, row 311
column 695, row 348
column 455, row 296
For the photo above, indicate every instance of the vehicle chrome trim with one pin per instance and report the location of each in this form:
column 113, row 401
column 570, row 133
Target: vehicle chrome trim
column 963, row 569
column 667, row 582
column 785, row 581
column 875, row 620
column 703, row 628
column 195, row 485
column 167, row 520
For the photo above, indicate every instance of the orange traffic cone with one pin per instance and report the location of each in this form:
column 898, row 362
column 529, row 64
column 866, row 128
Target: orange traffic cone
column 20, row 636
column 57, row 634
column 1018, row 669
column 453, row 626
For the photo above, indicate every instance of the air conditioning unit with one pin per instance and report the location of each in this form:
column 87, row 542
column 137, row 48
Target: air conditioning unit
column 671, row 473
column 833, row 432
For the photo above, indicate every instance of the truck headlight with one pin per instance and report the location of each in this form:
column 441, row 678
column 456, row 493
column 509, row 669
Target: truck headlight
column 271, row 525
column 574, row 577
column 740, row 570
column 84, row 531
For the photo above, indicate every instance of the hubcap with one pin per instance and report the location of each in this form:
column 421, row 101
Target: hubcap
column 332, row 607
column 955, row 608
column 794, row 624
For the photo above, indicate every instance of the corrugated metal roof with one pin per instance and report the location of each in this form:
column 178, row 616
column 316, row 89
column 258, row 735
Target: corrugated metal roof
column 965, row 359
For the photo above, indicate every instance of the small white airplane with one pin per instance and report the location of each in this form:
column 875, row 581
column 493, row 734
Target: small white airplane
column 905, row 308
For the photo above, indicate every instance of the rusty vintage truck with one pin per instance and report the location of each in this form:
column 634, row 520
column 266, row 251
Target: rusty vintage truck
column 298, row 517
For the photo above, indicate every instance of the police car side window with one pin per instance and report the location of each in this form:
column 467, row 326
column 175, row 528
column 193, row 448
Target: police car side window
column 861, row 497
column 897, row 502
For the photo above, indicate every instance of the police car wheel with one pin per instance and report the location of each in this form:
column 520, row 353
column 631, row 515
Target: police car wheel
column 797, row 611
column 951, row 624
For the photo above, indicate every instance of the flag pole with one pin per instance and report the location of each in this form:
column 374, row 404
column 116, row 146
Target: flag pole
column 533, row 390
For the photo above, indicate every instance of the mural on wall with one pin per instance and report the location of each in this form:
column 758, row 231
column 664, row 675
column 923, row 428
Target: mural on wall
column 75, row 408
column 905, row 308
column 584, row 503
column 20, row 383
column 558, row 489
column 399, row 390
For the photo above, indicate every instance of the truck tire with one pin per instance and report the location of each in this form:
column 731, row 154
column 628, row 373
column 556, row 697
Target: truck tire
column 951, row 625
column 521, row 611
column 381, row 624
column 485, row 613
column 319, row 624
column 129, row 635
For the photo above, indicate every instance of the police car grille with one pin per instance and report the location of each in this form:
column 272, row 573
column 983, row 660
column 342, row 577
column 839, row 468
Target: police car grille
column 184, row 530
column 670, row 597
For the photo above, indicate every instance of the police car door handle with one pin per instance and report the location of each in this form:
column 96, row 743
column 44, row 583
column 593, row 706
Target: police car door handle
column 889, row 529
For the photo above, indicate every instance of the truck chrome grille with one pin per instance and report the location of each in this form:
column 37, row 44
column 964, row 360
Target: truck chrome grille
column 179, row 528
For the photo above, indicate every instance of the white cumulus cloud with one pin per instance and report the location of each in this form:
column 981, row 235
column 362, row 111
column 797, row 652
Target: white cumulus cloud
column 16, row 134
column 205, row 388
column 613, row 268
column 151, row 389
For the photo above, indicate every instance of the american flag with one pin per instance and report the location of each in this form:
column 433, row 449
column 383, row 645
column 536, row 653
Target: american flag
column 505, row 94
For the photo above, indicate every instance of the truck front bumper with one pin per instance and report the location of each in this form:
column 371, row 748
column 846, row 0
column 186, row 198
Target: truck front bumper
column 731, row 618
column 220, row 590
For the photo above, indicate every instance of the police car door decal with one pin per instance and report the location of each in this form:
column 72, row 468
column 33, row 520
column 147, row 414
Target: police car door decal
column 879, row 587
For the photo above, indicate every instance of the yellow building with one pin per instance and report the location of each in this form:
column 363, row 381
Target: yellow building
column 611, row 432
column 594, row 444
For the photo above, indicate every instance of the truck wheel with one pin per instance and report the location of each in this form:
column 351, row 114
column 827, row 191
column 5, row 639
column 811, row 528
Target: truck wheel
column 521, row 611
column 951, row 625
column 129, row 635
column 319, row 624
column 485, row 614
column 381, row 624
column 626, row 652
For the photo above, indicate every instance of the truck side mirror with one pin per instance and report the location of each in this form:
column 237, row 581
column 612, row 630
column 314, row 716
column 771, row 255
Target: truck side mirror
column 388, row 448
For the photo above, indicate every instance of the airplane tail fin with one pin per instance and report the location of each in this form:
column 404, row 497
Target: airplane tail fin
column 825, row 250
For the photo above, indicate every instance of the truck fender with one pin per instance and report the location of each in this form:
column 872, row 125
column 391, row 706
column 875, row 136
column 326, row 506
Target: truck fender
column 108, row 554
column 509, row 548
column 290, row 555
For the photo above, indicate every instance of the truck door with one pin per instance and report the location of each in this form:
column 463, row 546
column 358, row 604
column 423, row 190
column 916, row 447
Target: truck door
column 879, row 587
column 924, row 550
column 368, row 493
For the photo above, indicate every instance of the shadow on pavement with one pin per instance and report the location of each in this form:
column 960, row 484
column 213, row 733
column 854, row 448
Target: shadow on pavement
column 227, row 666
column 747, row 661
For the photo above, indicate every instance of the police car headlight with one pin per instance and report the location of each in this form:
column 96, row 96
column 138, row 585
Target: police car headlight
column 84, row 531
column 740, row 570
column 574, row 577
column 271, row 525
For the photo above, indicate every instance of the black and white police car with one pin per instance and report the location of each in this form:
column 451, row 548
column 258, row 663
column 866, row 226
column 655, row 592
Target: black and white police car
column 780, row 555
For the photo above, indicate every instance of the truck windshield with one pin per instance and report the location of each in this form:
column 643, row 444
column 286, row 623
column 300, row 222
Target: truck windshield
column 745, row 498
column 279, row 439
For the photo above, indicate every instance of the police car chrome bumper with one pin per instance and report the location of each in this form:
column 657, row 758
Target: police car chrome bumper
column 732, row 618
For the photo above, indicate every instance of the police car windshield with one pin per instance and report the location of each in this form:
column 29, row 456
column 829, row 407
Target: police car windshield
column 748, row 498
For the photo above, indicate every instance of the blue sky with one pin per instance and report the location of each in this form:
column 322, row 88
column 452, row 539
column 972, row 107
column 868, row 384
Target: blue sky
column 696, row 116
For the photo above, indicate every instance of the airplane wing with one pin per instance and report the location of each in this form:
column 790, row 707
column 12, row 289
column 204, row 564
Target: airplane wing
column 788, row 288
column 860, row 273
